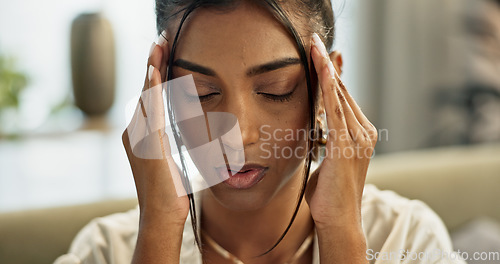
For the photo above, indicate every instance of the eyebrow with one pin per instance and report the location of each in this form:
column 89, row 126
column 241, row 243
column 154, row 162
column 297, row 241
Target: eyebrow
column 271, row 66
column 260, row 69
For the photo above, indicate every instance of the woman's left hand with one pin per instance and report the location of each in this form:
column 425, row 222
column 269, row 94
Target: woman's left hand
column 335, row 189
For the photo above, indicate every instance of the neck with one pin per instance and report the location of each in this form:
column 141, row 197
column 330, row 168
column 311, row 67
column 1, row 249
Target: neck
column 249, row 234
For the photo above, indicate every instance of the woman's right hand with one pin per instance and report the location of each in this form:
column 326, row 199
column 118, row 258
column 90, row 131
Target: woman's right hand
column 163, row 212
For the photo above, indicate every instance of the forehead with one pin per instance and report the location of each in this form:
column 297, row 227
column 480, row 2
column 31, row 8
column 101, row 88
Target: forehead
column 247, row 34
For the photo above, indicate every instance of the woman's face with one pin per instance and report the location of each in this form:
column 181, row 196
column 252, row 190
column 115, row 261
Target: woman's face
column 245, row 63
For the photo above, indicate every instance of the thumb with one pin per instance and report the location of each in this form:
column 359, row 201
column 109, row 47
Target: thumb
column 312, row 183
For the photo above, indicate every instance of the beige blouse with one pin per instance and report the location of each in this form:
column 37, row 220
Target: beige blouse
column 398, row 230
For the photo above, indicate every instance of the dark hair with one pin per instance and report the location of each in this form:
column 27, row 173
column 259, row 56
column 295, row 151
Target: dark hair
column 319, row 15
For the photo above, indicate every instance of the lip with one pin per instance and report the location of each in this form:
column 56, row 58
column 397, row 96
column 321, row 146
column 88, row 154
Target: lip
column 248, row 176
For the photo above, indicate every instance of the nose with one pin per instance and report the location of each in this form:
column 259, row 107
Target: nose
column 237, row 125
column 246, row 113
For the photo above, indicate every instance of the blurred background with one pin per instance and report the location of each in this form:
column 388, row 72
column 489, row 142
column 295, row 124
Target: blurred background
column 51, row 152
column 426, row 73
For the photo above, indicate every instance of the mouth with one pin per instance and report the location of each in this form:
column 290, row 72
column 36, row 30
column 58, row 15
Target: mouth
column 248, row 176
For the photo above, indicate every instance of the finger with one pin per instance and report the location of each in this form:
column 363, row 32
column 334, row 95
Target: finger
column 324, row 68
column 360, row 116
column 153, row 101
column 155, row 59
column 355, row 107
column 146, row 131
column 356, row 130
column 146, row 80
column 163, row 43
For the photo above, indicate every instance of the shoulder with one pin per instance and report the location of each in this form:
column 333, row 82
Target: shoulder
column 393, row 223
column 386, row 206
column 112, row 239
column 108, row 239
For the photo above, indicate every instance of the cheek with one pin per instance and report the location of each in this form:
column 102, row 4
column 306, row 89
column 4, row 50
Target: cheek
column 286, row 137
column 289, row 144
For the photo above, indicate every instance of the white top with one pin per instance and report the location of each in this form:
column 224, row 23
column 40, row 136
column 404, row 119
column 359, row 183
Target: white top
column 392, row 225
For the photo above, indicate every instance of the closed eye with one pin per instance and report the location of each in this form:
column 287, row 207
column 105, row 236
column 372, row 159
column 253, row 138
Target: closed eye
column 278, row 97
column 201, row 98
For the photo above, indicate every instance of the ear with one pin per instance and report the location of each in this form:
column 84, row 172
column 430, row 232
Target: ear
column 337, row 60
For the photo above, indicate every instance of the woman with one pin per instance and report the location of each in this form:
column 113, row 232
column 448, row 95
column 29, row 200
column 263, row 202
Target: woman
column 265, row 62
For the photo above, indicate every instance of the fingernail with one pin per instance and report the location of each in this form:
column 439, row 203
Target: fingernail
column 152, row 49
column 162, row 38
column 331, row 69
column 150, row 72
column 320, row 45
